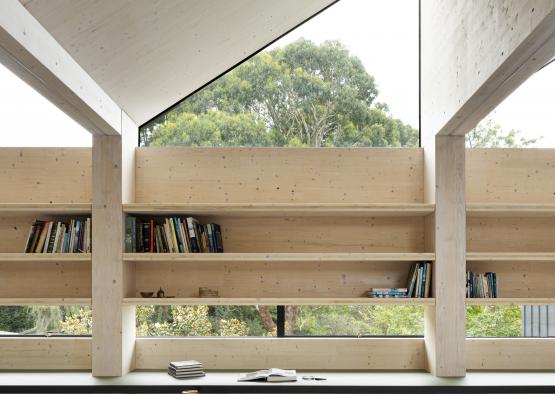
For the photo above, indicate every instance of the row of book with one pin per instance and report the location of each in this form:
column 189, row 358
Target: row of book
column 172, row 235
column 59, row 237
column 481, row 285
column 418, row 284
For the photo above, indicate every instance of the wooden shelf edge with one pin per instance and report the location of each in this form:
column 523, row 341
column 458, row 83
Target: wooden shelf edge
column 46, row 208
column 279, row 301
column 45, row 257
column 275, row 257
column 503, row 256
column 45, row 301
column 500, row 209
column 510, row 301
column 224, row 209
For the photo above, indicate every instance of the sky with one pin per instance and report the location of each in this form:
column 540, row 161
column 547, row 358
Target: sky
column 382, row 33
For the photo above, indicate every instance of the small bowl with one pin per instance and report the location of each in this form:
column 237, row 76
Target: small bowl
column 147, row 294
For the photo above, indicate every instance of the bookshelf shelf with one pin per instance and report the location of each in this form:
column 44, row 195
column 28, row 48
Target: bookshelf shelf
column 45, row 208
column 278, row 301
column 510, row 210
column 44, row 257
column 510, row 301
column 274, row 257
column 282, row 209
column 45, row 301
column 510, row 256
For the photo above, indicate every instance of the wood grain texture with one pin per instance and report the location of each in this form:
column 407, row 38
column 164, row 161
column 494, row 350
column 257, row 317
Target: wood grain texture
column 511, row 301
column 45, row 353
column 32, row 53
column 45, row 175
column 320, row 234
column 510, row 176
column 519, row 278
column 510, row 234
column 510, row 210
column 510, row 354
column 12, row 209
column 278, row 301
column 272, row 257
column 445, row 324
column 298, row 353
column 510, row 256
column 45, row 278
column 52, row 301
column 279, row 175
column 286, row 279
column 107, row 266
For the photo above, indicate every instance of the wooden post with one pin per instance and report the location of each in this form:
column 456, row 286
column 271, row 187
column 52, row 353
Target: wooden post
column 111, row 345
column 445, row 322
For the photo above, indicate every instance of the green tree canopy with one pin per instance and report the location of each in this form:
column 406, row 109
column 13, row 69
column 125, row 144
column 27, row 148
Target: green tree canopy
column 302, row 94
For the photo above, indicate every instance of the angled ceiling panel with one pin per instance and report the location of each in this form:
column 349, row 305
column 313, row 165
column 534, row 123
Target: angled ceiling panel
column 149, row 54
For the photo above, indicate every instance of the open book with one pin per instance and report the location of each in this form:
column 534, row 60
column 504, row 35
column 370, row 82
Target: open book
column 270, row 375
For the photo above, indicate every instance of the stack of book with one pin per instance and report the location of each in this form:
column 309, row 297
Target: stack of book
column 172, row 235
column 483, row 285
column 59, row 237
column 185, row 369
column 392, row 292
column 420, row 280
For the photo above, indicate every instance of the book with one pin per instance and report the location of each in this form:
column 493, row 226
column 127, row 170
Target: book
column 59, row 237
column 269, row 375
column 481, row 285
column 185, row 369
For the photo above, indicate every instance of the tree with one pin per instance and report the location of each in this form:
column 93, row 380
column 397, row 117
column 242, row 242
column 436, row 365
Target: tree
column 488, row 134
column 300, row 95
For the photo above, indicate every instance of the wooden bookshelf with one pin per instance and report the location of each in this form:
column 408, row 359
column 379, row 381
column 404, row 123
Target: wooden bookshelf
column 275, row 257
column 279, row 301
column 45, row 209
column 510, row 256
column 510, row 301
column 44, row 257
column 282, row 209
column 45, row 301
column 510, row 210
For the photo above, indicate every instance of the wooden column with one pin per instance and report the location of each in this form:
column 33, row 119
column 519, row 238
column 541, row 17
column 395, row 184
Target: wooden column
column 445, row 322
column 111, row 342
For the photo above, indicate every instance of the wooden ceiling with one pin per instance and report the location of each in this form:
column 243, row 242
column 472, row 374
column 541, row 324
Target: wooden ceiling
column 149, row 54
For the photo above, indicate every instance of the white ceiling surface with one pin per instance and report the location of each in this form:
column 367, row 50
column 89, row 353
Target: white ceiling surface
column 149, row 54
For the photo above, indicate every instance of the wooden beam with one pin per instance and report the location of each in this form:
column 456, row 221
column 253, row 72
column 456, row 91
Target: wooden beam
column 30, row 51
column 475, row 53
column 111, row 348
column 445, row 321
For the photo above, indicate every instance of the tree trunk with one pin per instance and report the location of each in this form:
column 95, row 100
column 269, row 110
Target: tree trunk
column 267, row 320
column 291, row 316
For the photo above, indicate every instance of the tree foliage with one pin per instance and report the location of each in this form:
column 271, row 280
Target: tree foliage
column 488, row 134
column 303, row 94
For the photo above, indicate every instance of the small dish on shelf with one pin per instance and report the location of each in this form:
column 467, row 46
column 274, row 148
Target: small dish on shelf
column 147, row 294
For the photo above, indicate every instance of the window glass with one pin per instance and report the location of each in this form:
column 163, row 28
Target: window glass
column 45, row 320
column 346, row 78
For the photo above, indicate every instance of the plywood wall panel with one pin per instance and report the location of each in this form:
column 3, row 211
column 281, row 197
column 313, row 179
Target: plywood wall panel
column 320, row 234
column 510, row 176
column 510, row 354
column 45, row 279
column 208, row 175
column 298, row 353
column 44, row 175
column 510, row 234
column 276, row 279
column 520, row 279
column 45, row 353
column 14, row 230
